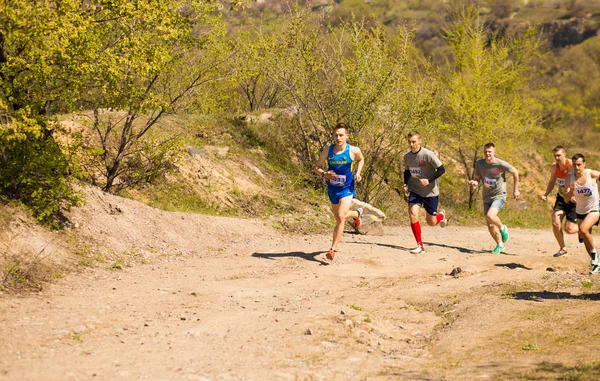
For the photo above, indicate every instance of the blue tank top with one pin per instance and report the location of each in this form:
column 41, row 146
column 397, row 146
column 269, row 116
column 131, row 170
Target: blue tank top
column 341, row 164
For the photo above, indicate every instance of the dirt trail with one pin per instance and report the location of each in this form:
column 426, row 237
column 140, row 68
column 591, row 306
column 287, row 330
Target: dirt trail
column 251, row 304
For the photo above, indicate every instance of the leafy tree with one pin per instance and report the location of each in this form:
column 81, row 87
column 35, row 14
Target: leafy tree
column 145, row 58
column 250, row 67
column 140, row 57
column 33, row 168
column 355, row 73
column 484, row 91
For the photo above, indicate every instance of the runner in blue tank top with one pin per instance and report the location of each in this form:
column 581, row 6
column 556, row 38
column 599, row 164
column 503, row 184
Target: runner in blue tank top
column 340, row 181
column 342, row 185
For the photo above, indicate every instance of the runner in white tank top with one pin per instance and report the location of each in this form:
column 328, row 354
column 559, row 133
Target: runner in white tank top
column 583, row 186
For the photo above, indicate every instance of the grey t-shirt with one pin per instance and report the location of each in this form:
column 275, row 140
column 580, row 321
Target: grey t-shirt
column 493, row 178
column 422, row 165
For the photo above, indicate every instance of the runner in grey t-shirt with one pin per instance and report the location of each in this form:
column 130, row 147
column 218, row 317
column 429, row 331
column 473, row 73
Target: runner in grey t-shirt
column 494, row 182
column 422, row 165
column 491, row 172
column 421, row 170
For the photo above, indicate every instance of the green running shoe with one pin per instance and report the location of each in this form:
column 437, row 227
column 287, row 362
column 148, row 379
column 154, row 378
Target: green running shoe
column 504, row 233
column 498, row 249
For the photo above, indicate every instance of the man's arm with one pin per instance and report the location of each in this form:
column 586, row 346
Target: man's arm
column 551, row 183
column 319, row 165
column 475, row 181
column 360, row 162
column 570, row 190
column 439, row 171
column 515, row 174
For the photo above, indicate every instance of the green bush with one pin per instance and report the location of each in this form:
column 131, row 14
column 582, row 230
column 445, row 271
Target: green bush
column 33, row 169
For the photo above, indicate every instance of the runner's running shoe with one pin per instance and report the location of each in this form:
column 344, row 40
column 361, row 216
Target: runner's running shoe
column 417, row 250
column 444, row 220
column 504, row 233
column 498, row 249
column 331, row 254
column 561, row 253
column 357, row 221
column 579, row 237
column 595, row 269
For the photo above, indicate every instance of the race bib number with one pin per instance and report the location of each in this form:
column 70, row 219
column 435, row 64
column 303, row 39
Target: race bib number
column 415, row 172
column 560, row 183
column 339, row 181
column 583, row 192
column 489, row 183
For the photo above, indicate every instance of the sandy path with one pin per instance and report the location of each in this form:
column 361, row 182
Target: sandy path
column 272, row 308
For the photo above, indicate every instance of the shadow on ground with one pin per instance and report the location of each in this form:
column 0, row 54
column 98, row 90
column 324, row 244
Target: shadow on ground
column 294, row 254
column 463, row 250
column 548, row 295
column 513, row 266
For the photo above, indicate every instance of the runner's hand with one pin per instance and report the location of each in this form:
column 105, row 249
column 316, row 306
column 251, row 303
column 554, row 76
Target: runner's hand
column 517, row 194
column 544, row 197
column 424, row 182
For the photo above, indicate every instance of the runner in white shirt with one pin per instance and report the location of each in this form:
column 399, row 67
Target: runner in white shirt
column 583, row 186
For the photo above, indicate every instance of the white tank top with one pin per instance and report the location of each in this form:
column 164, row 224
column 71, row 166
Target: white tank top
column 586, row 194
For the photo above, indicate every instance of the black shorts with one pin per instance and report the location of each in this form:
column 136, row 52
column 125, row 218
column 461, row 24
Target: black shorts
column 567, row 207
column 429, row 203
column 582, row 217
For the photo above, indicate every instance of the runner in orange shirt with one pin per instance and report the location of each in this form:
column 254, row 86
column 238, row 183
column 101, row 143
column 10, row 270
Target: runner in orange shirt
column 558, row 175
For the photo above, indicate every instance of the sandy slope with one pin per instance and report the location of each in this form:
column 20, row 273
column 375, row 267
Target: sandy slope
column 232, row 299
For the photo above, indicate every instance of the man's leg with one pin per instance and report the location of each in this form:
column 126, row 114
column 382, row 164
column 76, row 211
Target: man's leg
column 340, row 211
column 415, row 226
column 557, row 218
column 433, row 217
column 585, row 226
column 494, row 224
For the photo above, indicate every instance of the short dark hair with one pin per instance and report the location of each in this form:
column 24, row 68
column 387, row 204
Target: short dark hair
column 413, row 133
column 578, row 156
column 342, row 125
column 489, row 145
column 559, row 148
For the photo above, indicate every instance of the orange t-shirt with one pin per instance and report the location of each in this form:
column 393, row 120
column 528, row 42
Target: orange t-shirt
column 561, row 175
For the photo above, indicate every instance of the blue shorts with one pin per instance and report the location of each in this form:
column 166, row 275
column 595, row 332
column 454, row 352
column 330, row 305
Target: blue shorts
column 498, row 204
column 429, row 203
column 335, row 194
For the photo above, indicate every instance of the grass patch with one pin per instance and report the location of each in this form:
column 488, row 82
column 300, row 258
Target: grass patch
column 27, row 271
column 558, row 371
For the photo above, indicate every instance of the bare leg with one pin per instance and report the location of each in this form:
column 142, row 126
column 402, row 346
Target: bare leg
column 557, row 218
column 413, row 212
column 494, row 224
column 341, row 211
column 584, row 227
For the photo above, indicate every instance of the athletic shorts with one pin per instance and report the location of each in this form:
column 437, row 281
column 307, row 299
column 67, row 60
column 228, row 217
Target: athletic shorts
column 498, row 204
column 336, row 194
column 582, row 217
column 567, row 207
column 429, row 203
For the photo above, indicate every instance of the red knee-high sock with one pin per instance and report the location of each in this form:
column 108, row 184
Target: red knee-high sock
column 439, row 217
column 416, row 229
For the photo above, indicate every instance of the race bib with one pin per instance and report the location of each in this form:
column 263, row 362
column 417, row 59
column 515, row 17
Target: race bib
column 339, row 181
column 560, row 183
column 415, row 172
column 489, row 183
column 583, row 192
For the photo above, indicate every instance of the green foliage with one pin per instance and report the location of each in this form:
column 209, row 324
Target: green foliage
column 485, row 93
column 33, row 169
column 144, row 58
column 354, row 73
